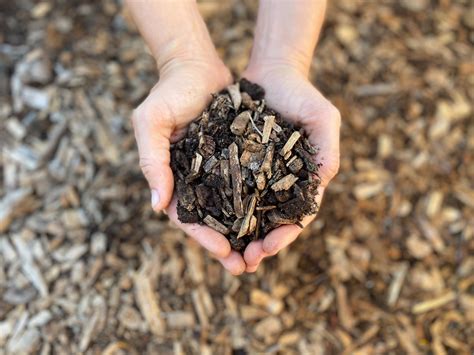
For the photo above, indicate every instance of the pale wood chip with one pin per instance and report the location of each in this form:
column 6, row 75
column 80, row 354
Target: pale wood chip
column 146, row 298
column 12, row 206
column 216, row 225
column 440, row 301
column 200, row 309
column 180, row 319
column 396, row 284
column 285, row 183
column 262, row 299
column 236, row 97
column 343, row 308
column 290, row 143
column 267, row 128
column 239, row 125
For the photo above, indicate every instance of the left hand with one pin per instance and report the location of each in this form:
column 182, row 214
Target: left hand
column 290, row 93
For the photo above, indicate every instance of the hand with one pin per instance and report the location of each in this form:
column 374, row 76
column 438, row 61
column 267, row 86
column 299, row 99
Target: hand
column 181, row 94
column 290, row 93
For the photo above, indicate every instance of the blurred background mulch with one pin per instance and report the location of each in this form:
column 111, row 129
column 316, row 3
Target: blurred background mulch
column 387, row 268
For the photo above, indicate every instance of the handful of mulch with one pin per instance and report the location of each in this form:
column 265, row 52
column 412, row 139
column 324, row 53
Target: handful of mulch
column 242, row 170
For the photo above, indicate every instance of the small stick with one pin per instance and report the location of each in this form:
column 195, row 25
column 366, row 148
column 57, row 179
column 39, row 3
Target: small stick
column 265, row 208
column 254, row 125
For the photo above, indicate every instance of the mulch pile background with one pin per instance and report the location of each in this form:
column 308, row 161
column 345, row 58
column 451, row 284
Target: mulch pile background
column 387, row 267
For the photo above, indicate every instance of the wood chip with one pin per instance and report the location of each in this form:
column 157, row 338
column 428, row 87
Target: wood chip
column 277, row 218
column 195, row 167
column 290, row 143
column 426, row 306
column 210, row 164
column 285, row 183
column 266, row 166
column 13, row 205
column 239, row 125
column 180, row 319
column 236, row 179
column 216, row 225
column 147, row 299
column 245, row 226
column 236, row 97
column 267, row 128
column 396, row 284
column 265, row 300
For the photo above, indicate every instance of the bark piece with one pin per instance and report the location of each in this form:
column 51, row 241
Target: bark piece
column 266, row 166
column 244, row 228
column 195, row 168
column 295, row 164
column 284, row 183
column 236, row 175
column 277, row 218
column 216, row 225
column 261, row 181
column 239, row 125
column 252, row 160
column 207, row 145
column 210, row 163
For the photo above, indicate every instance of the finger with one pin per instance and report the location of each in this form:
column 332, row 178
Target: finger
column 152, row 132
column 251, row 269
column 211, row 240
column 283, row 236
column 254, row 254
column 234, row 263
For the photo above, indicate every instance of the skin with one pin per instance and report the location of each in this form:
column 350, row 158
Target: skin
column 285, row 39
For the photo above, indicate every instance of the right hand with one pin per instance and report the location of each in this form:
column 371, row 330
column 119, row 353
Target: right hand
column 180, row 95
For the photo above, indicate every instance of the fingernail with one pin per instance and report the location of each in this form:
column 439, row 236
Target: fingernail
column 155, row 197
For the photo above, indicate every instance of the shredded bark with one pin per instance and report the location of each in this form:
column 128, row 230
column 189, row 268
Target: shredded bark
column 237, row 184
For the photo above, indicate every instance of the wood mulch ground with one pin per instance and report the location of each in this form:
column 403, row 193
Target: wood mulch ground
column 86, row 267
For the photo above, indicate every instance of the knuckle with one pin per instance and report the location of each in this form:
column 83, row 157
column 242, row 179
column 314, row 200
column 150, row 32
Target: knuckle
column 237, row 271
column 151, row 114
column 146, row 165
column 270, row 247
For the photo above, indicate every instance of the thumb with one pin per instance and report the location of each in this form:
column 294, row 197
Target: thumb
column 153, row 127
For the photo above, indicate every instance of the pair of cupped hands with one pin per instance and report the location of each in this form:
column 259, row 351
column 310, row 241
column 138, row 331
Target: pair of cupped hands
column 181, row 94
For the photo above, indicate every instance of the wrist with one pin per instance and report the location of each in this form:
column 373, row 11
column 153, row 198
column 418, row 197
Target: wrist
column 264, row 70
column 284, row 59
column 208, row 65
